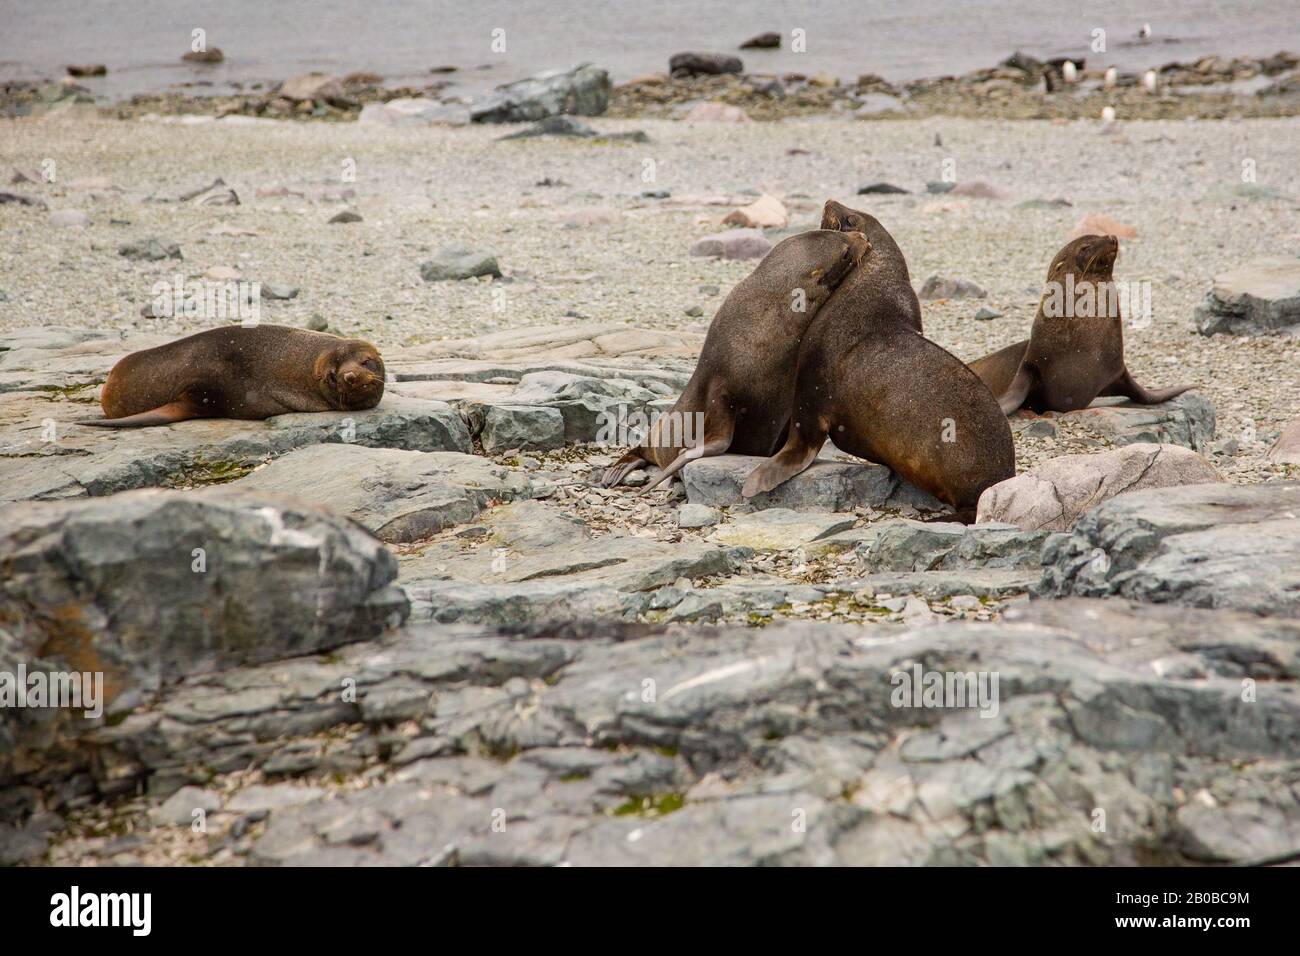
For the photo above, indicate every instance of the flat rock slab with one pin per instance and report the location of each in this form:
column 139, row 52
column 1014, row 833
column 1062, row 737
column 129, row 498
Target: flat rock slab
column 827, row 485
column 397, row 495
column 81, row 460
column 1052, row 496
column 591, row 341
column 528, row 561
column 678, row 745
column 780, row 529
column 1255, row 299
column 1217, row 545
column 940, row 585
column 1188, row 420
column 901, row 544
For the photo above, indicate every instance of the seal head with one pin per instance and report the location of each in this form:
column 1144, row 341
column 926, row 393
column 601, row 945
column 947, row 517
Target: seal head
column 351, row 376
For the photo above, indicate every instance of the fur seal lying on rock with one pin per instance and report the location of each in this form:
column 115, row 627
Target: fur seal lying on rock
column 882, row 391
column 1075, row 350
column 237, row 372
column 739, row 397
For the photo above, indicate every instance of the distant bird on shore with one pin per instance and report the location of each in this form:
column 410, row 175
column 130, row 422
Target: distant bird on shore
column 1149, row 81
column 1145, row 33
column 1108, row 115
column 1112, row 77
column 1069, row 71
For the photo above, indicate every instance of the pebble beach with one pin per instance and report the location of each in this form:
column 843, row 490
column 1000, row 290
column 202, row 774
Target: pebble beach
column 390, row 635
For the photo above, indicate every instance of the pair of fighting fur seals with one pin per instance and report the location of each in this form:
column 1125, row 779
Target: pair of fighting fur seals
column 246, row 373
column 743, row 385
column 871, row 382
column 1073, row 354
column 848, row 370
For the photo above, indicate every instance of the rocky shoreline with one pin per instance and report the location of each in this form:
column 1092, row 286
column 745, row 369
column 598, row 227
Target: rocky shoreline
column 1021, row 87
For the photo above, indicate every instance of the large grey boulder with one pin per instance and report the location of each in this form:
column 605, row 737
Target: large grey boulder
column 1053, row 495
column 827, row 485
column 396, row 495
column 733, row 244
column 581, row 91
column 150, row 587
column 1210, row 545
column 1254, row 299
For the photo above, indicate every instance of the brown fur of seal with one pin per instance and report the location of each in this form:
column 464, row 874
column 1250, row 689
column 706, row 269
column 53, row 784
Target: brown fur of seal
column 246, row 373
column 744, row 382
column 886, row 268
column 882, row 391
column 1069, row 360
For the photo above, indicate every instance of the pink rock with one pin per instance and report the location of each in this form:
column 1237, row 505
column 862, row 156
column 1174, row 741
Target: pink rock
column 733, row 244
column 1286, row 450
column 765, row 212
column 977, row 189
column 1052, row 496
column 1095, row 224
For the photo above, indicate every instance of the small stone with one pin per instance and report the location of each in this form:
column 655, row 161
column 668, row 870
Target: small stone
column 940, row 287
column 883, row 189
column 695, row 311
column 274, row 291
column 697, row 516
column 459, row 262
column 733, row 244
column 985, row 314
column 347, row 215
column 151, row 249
column 317, row 323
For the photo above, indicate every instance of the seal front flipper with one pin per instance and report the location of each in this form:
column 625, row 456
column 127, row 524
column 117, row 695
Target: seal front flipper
column 168, row 414
column 1125, row 385
column 1018, row 390
column 781, row 467
column 630, row 462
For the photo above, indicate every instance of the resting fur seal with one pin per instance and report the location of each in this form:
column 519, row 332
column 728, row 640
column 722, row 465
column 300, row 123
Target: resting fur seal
column 744, row 382
column 237, row 372
column 1075, row 350
column 887, row 269
column 882, row 391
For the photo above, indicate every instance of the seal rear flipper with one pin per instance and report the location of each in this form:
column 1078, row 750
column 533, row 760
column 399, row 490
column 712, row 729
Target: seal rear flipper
column 1125, row 385
column 781, row 467
column 167, row 414
column 630, row 462
column 719, row 430
column 1018, row 390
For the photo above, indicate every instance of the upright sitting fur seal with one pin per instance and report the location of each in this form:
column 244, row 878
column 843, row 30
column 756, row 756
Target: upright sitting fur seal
column 887, row 269
column 237, row 372
column 882, row 391
column 1075, row 350
column 741, row 389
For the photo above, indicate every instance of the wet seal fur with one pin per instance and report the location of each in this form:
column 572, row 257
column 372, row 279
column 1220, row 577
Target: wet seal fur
column 1068, row 361
column 869, row 381
column 744, row 382
column 246, row 373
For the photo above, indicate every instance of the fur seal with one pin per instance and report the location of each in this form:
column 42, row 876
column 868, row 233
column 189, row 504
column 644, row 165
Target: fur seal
column 238, row 372
column 1075, row 350
column 886, row 268
column 744, row 382
column 882, row 391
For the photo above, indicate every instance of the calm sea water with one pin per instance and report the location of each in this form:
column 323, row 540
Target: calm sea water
column 141, row 40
